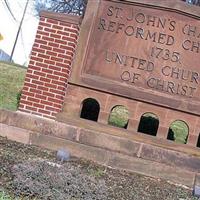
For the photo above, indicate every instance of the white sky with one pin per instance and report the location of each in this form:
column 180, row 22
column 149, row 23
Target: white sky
column 9, row 28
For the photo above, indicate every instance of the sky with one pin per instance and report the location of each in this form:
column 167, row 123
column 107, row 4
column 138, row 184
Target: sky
column 9, row 27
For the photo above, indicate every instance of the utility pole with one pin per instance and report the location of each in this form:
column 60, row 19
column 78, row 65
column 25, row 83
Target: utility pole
column 20, row 25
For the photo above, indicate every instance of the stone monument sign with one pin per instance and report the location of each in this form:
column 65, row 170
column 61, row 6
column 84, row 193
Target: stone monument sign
column 144, row 52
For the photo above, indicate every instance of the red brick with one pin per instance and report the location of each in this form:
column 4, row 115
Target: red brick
column 36, row 59
column 61, row 64
column 57, row 92
column 46, row 103
column 55, row 36
column 64, row 79
column 69, row 39
column 29, row 71
column 53, row 44
column 37, row 82
column 39, row 73
column 34, row 67
column 43, row 19
column 71, row 44
column 55, row 68
column 51, row 53
column 58, row 73
column 72, row 30
column 38, row 36
column 49, row 62
column 26, row 102
column 65, row 24
column 31, row 62
column 44, row 111
column 61, row 42
column 49, row 30
column 75, row 36
column 52, row 21
column 52, row 76
column 40, row 41
column 57, row 27
column 38, row 105
column 46, row 80
column 61, row 83
column 35, row 91
column 42, row 88
column 40, row 27
column 43, row 56
column 46, row 47
column 57, row 59
column 31, row 85
column 44, row 24
column 57, row 105
column 52, row 109
column 33, row 99
column 43, row 97
column 43, row 33
column 62, row 88
column 49, row 39
column 42, row 64
column 31, row 108
column 48, row 71
column 38, row 50
column 27, row 80
column 67, row 48
column 48, row 94
column 49, row 85
column 28, row 94
column 60, row 96
column 54, row 100
column 58, row 50
column 31, row 76
column 63, row 33
column 70, row 53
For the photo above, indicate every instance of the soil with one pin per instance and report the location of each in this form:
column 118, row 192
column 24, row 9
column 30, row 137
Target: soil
column 30, row 172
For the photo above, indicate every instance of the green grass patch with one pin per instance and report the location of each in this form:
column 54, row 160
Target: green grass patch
column 11, row 82
column 4, row 196
column 119, row 117
column 178, row 132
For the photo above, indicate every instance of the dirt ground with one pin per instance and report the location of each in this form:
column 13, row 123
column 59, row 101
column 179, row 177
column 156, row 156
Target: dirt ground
column 30, row 172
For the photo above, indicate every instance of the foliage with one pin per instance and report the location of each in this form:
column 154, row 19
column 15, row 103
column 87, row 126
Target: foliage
column 119, row 117
column 178, row 132
column 4, row 196
column 11, row 81
column 194, row 2
column 75, row 7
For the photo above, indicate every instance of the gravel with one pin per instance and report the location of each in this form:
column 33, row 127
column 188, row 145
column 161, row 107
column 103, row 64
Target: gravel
column 34, row 173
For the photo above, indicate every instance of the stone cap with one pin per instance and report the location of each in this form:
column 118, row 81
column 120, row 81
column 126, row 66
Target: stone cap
column 62, row 17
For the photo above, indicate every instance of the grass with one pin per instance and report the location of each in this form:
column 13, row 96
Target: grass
column 4, row 196
column 178, row 132
column 11, row 82
column 119, row 117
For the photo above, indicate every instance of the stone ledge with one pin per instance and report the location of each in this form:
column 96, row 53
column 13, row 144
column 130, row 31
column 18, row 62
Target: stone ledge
column 62, row 17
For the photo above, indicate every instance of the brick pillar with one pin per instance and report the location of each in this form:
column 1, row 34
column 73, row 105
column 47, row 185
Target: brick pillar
column 50, row 64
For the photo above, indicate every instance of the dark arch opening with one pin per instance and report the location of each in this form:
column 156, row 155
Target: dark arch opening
column 198, row 142
column 149, row 123
column 119, row 116
column 178, row 132
column 90, row 109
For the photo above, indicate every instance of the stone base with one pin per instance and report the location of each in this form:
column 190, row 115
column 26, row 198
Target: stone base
column 114, row 147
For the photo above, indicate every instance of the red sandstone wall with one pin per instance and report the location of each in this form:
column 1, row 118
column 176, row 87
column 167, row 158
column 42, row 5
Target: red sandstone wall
column 50, row 64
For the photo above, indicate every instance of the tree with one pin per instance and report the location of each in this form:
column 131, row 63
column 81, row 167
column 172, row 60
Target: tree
column 194, row 2
column 75, row 7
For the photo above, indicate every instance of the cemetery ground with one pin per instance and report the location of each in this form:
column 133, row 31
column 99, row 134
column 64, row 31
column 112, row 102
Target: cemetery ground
column 29, row 172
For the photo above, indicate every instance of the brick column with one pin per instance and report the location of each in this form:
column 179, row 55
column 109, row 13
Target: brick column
column 50, row 64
